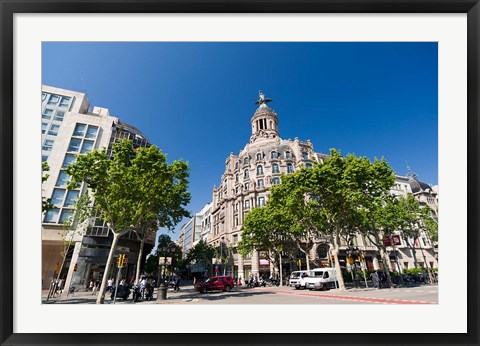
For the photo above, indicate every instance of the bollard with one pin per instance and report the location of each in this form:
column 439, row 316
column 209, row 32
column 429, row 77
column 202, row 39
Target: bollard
column 162, row 292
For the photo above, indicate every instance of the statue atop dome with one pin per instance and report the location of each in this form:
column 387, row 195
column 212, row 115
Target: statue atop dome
column 262, row 100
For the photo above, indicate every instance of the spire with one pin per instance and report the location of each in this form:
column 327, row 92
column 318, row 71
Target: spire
column 262, row 100
column 411, row 174
column 264, row 121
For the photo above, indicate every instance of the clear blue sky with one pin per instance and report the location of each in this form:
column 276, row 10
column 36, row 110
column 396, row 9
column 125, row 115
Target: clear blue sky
column 195, row 100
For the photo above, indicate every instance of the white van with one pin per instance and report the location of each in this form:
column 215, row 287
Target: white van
column 321, row 278
column 298, row 279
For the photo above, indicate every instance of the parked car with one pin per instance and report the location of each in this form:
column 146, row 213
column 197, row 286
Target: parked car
column 298, row 279
column 215, row 283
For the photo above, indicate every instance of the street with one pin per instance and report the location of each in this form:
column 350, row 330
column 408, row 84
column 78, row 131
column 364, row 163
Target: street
column 424, row 294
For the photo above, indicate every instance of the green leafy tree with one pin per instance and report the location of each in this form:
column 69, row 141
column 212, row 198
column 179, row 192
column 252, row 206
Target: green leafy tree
column 338, row 189
column 202, row 252
column 151, row 265
column 129, row 187
column 296, row 210
column 46, row 202
column 72, row 227
column 267, row 229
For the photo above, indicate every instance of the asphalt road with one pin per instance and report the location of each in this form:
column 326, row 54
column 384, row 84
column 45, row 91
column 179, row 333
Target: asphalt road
column 424, row 294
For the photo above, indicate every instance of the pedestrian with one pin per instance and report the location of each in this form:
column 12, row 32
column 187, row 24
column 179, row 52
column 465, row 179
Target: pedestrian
column 110, row 285
column 90, row 286
column 357, row 280
column 95, row 288
column 194, row 280
column 375, row 279
column 176, row 288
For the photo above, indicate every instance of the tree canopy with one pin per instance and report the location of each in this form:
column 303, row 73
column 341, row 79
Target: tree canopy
column 130, row 187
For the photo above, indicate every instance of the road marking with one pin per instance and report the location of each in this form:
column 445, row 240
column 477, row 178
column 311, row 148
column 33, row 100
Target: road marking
column 363, row 299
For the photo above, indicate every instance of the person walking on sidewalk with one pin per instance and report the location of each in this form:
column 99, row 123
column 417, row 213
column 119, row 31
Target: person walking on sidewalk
column 176, row 288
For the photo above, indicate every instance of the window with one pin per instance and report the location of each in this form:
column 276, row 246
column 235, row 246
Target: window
column 288, row 155
column 259, row 170
column 245, row 173
column 62, row 179
column 275, row 168
column 274, row 155
column 69, row 158
column 44, row 158
column 245, row 161
column 325, row 275
column 247, row 204
column 259, row 156
column 236, row 165
column 261, row 201
column 87, row 147
column 47, row 113
column 276, row 181
column 304, row 155
column 57, row 197
column 289, row 168
column 71, row 198
column 47, row 146
column 44, row 127
column 65, row 101
column 53, row 130
column 91, row 132
column 308, row 165
column 65, row 215
column 53, row 99
column 247, row 186
column 235, row 239
column 79, row 130
column 59, row 115
column 74, row 145
column 236, row 178
column 260, row 182
column 51, row 216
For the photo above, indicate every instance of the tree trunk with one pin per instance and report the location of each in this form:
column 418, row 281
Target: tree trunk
column 139, row 260
column 280, row 268
column 101, row 293
column 427, row 265
column 338, row 269
column 306, row 256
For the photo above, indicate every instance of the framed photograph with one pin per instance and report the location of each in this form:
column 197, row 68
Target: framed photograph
column 222, row 86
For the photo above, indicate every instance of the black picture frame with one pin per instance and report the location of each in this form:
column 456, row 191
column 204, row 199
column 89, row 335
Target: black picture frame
column 10, row 7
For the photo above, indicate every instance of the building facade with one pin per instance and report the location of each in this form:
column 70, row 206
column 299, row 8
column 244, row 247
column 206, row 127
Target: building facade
column 70, row 127
column 246, row 182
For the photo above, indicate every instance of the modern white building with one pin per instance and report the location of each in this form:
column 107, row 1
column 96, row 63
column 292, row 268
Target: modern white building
column 70, row 127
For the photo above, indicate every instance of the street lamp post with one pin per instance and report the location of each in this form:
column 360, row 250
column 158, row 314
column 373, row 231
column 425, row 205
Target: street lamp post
column 162, row 288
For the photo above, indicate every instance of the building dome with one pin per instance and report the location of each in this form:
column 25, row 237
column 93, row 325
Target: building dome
column 264, row 122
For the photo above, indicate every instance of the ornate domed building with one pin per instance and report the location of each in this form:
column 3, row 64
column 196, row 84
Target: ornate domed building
column 246, row 182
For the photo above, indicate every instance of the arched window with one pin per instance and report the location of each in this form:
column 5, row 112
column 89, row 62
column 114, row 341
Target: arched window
column 259, row 170
column 305, row 155
column 260, row 183
column 245, row 161
column 236, row 178
column 259, row 156
column 288, row 155
column 289, row 168
column 245, row 173
column 276, row 181
column 236, row 165
column 275, row 168
column 274, row 155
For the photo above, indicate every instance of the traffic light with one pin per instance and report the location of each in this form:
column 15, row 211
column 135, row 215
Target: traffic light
column 125, row 261
column 120, row 260
column 360, row 258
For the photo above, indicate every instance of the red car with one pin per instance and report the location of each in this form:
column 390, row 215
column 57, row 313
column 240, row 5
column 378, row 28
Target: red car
column 215, row 283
